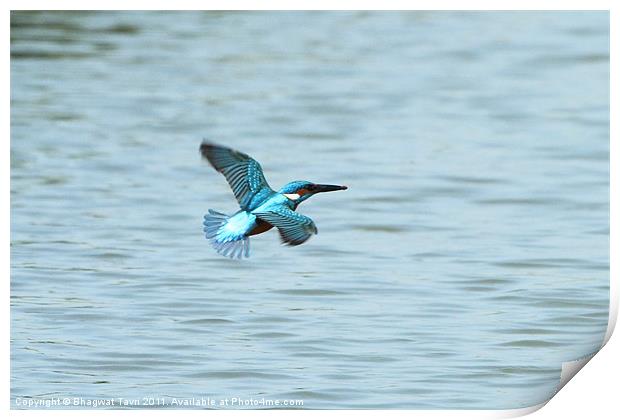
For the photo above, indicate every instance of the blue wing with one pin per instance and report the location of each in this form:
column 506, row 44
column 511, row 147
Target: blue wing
column 243, row 173
column 294, row 228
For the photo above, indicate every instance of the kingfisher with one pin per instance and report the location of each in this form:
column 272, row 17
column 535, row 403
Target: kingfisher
column 261, row 208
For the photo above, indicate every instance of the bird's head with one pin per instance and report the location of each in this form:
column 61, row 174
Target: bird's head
column 299, row 191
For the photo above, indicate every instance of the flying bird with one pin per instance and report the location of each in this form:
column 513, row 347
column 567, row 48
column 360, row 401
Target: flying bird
column 261, row 207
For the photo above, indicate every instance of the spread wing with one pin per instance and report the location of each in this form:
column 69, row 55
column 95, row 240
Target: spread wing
column 243, row 173
column 294, row 228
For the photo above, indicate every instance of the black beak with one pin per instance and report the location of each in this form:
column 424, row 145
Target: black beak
column 318, row 188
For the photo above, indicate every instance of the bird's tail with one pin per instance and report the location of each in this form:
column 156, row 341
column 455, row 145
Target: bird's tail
column 224, row 243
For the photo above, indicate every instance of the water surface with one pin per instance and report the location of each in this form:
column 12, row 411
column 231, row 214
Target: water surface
column 468, row 259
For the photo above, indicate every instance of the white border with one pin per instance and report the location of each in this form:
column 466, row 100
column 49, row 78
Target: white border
column 599, row 381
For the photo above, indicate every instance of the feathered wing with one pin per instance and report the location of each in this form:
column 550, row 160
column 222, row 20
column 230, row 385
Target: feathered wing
column 294, row 228
column 243, row 173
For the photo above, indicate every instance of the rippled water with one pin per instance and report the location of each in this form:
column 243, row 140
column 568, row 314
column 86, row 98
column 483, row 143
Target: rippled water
column 468, row 259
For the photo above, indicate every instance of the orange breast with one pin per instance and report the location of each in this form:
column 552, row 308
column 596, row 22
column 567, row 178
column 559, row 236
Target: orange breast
column 261, row 226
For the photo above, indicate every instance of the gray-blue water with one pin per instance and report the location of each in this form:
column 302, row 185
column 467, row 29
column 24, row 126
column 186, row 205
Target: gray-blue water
column 468, row 259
